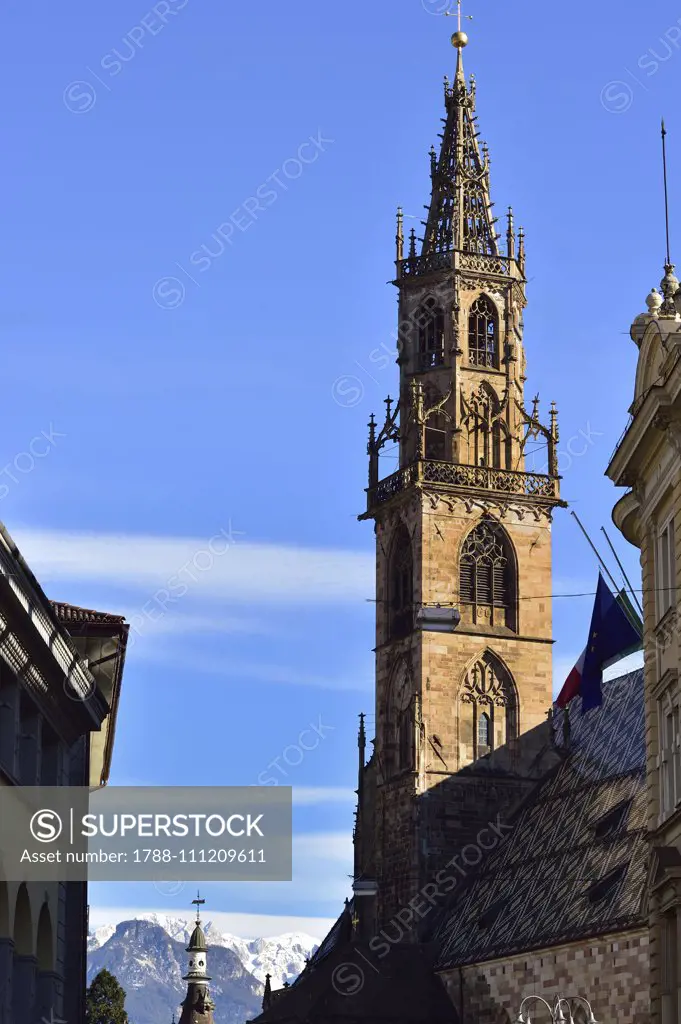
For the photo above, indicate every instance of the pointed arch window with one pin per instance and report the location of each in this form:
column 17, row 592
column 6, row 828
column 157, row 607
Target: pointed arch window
column 483, row 334
column 400, row 586
column 491, row 694
column 430, row 324
column 484, row 732
column 487, row 576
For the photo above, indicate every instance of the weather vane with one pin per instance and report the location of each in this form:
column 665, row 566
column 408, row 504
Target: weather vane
column 458, row 15
column 199, row 903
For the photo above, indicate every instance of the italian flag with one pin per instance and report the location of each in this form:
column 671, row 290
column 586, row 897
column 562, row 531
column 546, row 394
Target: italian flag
column 615, row 632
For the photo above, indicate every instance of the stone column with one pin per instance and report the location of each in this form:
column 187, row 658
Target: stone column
column 6, row 973
column 23, row 988
column 48, row 998
column 9, row 721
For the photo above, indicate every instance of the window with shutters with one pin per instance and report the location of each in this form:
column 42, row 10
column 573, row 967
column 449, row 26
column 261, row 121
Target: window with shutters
column 487, row 576
column 483, row 334
column 430, row 325
column 400, row 586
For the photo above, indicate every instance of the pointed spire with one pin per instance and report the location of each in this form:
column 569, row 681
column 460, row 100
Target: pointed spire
column 267, row 994
column 553, row 441
column 399, row 237
column 362, row 747
column 510, row 235
column 521, row 249
column 460, row 210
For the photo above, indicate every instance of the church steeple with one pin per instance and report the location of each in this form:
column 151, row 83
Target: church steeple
column 198, row 1006
column 460, row 211
column 463, row 521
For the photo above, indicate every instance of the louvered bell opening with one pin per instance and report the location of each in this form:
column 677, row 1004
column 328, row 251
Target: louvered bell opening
column 500, row 586
column 467, row 582
column 484, row 583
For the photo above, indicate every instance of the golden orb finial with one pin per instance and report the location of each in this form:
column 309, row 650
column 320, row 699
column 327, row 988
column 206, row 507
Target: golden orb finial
column 459, row 40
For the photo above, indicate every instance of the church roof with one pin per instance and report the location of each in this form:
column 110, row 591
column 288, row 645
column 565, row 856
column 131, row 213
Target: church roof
column 352, row 983
column 197, row 942
column 574, row 863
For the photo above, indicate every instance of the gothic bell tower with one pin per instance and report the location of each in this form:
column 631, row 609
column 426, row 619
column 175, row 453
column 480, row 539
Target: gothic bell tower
column 464, row 522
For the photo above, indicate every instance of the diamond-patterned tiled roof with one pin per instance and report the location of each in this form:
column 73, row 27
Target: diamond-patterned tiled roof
column 583, row 825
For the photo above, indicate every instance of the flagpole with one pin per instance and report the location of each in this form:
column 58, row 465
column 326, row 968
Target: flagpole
column 621, row 567
column 593, row 548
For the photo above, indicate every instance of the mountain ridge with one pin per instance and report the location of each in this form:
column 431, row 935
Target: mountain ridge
column 148, row 956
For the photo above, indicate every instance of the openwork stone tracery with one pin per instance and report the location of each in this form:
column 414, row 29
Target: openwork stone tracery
column 489, row 692
column 487, row 575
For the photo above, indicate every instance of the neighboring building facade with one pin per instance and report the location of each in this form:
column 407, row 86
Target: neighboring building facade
column 648, row 462
column 60, row 676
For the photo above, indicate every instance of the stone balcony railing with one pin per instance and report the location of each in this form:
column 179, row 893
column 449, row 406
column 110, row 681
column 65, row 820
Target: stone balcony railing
column 471, row 478
column 418, row 266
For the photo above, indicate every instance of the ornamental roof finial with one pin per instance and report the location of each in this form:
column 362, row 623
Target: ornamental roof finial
column 460, row 172
column 669, row 284
column 459, row 38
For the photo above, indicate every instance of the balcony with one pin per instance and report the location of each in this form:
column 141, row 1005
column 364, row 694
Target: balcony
column 469, row 478
column 432, row 262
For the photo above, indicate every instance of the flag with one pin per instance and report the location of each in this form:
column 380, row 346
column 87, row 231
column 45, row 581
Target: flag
column 615, row 632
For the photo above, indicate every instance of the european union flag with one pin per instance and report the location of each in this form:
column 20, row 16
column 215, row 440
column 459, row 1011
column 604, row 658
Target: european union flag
column 612, row 635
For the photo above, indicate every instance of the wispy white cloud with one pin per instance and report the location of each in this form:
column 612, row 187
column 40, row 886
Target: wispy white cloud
column 247, row 572
column 244, row 926
column 203, row 663
column 322, row 872
column 178, row 622
column 323, row 795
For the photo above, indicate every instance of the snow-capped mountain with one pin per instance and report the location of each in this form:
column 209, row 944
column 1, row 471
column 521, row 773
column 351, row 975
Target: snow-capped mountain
column 150, row 967
column 148, row 957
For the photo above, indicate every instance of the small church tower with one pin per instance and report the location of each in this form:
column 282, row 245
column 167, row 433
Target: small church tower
column 463, row 522
column 197, row 1007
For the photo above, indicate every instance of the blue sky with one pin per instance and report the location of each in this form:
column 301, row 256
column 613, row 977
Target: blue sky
column 131, row 136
